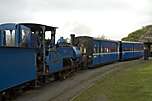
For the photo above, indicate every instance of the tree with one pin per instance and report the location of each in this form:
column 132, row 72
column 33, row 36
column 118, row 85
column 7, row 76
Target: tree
column 102, row 37
column 135, row 36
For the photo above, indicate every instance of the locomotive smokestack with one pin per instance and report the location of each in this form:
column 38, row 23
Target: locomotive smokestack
column 53, row 36
column 72, row 39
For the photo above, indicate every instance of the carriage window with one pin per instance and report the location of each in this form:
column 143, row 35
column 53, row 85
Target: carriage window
column 128, row 49
column 10, row 37
column 113, row 49
column 101, row 50
column 98, row 51
column 138, row 48
column 106, row 50
column 94, row 50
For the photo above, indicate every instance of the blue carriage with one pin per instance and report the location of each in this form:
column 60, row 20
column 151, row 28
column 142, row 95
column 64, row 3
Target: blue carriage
column 131, row 50
column 97, row 52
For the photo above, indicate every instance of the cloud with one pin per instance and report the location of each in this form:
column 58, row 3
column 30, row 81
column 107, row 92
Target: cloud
column 81, row 29
column 83, row 16
column 25, row 9
column 50, row 5
column 14, row 11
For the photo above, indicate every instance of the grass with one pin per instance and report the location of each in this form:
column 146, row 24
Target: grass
column 132, row 83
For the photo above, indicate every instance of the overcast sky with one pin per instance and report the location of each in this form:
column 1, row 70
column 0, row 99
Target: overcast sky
column 113, row 18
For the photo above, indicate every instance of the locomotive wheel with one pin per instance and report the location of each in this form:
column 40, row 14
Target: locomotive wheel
column 56, row 76
column 62, row 75
column 1, row 97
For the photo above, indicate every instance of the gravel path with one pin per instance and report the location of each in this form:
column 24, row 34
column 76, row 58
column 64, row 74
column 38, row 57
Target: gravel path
column 68, row 89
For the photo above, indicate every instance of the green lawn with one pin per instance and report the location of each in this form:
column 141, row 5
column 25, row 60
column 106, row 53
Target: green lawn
column 132, row 83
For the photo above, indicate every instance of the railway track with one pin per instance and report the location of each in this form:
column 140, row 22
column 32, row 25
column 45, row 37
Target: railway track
column 68, row 89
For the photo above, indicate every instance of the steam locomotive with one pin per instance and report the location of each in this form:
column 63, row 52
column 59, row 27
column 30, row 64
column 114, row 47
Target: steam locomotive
column 28, row 57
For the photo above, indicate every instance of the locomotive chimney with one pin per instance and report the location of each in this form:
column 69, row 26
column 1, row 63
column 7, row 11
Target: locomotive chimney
column 72, row 39
column 53, row 36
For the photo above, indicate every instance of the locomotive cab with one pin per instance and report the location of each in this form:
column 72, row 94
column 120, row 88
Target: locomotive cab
column 22, row 53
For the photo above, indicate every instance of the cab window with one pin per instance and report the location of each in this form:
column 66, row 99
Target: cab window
column 9, row 37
